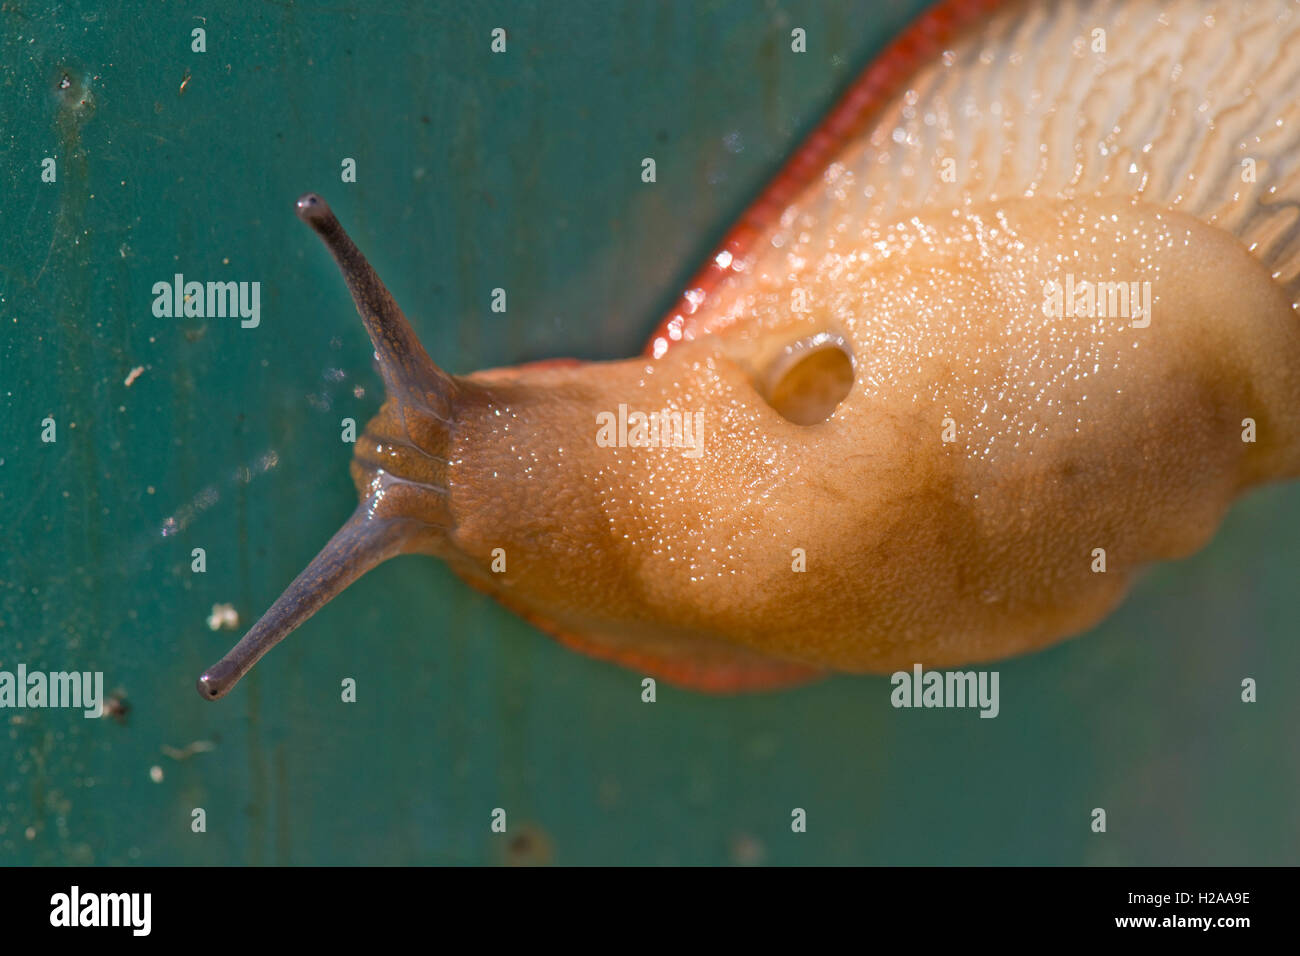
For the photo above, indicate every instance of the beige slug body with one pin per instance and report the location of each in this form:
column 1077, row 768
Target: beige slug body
column 998, row 468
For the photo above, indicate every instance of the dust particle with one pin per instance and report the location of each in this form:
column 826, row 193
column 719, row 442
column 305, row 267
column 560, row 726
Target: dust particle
column 223, row 617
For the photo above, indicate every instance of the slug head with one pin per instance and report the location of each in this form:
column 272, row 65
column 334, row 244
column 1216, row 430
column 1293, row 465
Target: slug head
column 400, row 464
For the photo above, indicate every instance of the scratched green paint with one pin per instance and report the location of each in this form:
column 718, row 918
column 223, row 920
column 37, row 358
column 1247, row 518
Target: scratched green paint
column 475, row 171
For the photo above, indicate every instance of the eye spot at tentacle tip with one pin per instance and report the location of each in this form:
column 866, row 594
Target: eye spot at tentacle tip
column 809, row 378
column 313, row 210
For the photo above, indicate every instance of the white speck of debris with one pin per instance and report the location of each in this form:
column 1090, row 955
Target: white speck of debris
column 156, row 774
column 223, row 616
column 133, row 375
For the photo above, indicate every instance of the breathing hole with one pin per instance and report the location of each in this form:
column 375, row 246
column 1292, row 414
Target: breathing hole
column 809, row 379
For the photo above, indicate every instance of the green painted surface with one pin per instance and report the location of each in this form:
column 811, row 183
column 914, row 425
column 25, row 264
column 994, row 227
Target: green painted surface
column 475, row 171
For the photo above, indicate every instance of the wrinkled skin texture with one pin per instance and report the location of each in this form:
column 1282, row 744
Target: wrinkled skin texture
column 997, row 471
column 1071, row 434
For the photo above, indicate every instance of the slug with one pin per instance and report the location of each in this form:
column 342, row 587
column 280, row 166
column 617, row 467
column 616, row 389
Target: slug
column 1018, row 319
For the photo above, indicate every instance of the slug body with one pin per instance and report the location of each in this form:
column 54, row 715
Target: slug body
column 902, row 433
